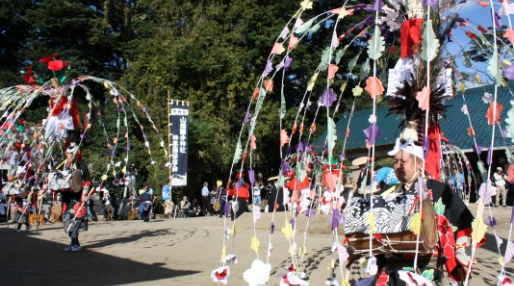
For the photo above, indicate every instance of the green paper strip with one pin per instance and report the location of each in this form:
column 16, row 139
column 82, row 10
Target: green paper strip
column 377, row 44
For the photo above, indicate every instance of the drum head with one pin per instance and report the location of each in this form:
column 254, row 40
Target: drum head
column 76, row 181
column 56, row 210
column 428, row 226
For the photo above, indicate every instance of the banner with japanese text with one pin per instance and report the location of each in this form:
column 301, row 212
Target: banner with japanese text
column 178, row 142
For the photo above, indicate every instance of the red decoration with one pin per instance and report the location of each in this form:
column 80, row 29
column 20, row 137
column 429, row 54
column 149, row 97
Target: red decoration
column 432, row 162
column 489, row 114
column 471, row 35
column 221, row 275
column 48, row 59
column 410, row 37
column 56, row 65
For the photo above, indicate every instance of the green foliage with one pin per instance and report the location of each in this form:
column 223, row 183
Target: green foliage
column 210, row 53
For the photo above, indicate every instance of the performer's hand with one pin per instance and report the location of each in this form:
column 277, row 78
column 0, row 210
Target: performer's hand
column 84, row 199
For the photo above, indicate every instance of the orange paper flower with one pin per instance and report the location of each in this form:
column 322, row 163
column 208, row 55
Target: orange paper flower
column 295, row 126
column 293, row 41
column 491, row 119
column 347, row 133
column 268, row 85
column 483, row 4
column 374, row 86
column 313, row 128
column 255, row 94
column 332, row 69
column 284, row 139
column 509, row 34
column 471, row 132
column 253, row 145
column 471, row 35
column 482, row 29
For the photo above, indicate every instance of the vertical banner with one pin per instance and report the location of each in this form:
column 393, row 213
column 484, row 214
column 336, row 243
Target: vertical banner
column 178, row 142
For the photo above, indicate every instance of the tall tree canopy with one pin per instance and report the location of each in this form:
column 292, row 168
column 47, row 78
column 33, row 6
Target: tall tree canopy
column 210, row 53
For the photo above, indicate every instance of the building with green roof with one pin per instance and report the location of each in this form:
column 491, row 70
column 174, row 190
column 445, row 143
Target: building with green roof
column 454, row 128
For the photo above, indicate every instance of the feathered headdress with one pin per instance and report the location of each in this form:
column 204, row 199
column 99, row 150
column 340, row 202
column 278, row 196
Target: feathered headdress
column 409, row 92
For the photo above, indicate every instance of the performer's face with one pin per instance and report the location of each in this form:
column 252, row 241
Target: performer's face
column 404, row 166
column 69, row 156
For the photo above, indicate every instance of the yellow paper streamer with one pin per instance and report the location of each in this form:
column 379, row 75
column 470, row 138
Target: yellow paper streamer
column 223, row 253
column 344, row 283
column 306, row 4
column 287, row 230
column 297, row 14
column 462, row 86
column 233, row 230
column 362, row 261
column 312, row 81
column 415, row 223
column 478, row 79
column 500, row 260
column 479, row 229
column 343, row 13
column 255, row 244
column 104, row 177
column 370, row 218
column 343, row 86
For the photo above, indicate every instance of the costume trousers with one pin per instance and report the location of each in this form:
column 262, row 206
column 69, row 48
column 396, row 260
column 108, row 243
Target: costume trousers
column 500, row 190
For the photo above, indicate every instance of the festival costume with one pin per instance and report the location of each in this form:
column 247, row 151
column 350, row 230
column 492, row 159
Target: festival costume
column 74, row 213
column 455, row 215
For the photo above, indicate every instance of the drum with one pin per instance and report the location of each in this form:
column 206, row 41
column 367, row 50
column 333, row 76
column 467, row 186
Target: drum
column 64, row 180
column 393, row 214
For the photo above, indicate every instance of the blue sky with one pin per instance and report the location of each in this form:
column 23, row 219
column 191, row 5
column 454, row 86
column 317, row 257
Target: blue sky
column 477, row 15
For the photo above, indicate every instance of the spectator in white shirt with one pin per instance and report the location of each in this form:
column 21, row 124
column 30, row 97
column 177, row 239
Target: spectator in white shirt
column 205, row 200
column 499, row 181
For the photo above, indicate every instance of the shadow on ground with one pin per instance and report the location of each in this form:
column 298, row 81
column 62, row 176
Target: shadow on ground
column 28, row 260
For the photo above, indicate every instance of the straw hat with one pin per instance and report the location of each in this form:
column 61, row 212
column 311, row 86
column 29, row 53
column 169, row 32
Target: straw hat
column 360, row 161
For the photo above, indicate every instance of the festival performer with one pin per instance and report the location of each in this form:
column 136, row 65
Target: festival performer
column 407, row 165
column 74, row 206
column 22, row 193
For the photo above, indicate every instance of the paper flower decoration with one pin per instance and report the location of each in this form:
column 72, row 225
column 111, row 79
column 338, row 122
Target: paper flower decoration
column 471, row 132
column 230, row 259
column 284, row 138
column 372, row 133
column 477, row 148
column 491, row 221
column 491, row 118
column 256, row 213
column 486, row 192
column 278, row 48
column 221, row 274
column 332, row 69
column 423, row 97
column 509, row 72
column 258, row 274
column 374, row 86
column 292, row 280
column 328, row 98
column 336, row 218
column 288, row 63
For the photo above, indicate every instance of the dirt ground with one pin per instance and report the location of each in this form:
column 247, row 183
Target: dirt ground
column 184, row 252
